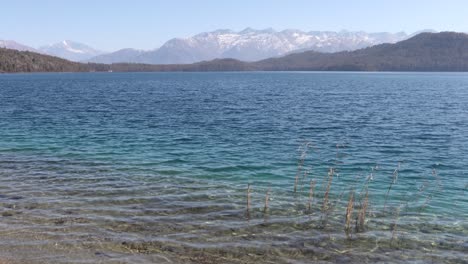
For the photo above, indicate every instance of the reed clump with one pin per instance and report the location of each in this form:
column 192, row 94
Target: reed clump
column 356, row 205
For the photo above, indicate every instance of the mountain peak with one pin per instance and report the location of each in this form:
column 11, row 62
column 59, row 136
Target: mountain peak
column 439, row 36
column 71, row 50
column 249, row 30
column 68, row 42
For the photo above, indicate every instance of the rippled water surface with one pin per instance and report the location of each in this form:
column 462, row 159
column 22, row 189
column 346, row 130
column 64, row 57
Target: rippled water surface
column 154, row 167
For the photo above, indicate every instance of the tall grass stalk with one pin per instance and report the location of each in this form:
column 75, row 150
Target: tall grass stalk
column 325, row 204
column 300, row 165
column 394, row 180
column 360, row 223
column 349, row 211
column 304, row 177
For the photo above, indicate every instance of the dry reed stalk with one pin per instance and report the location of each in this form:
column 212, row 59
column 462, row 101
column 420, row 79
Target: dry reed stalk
column 304, row 177
column 304, row 148
column 327, row 192
column 421, row 191
column 311, row 195
column 394, row 180
column 267, row 197
column 295, row 182
column 431, row 194
column 362, row 213
column 369, row 178
column 426, row 202
column 423, row 188
column 349, row 211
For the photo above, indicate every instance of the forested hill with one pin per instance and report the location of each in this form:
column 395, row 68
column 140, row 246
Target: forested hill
column 26, row 61
column 446, row 51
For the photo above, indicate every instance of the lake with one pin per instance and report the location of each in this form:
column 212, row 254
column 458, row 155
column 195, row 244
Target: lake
column 177, row 167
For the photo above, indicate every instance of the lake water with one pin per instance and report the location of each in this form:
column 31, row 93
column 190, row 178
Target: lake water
column 154, row 167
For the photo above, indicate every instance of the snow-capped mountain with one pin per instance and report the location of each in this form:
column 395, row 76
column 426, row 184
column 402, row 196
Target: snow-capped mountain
column 251, row 45
column 10, row 44
column 71, row 50
column 123, row 55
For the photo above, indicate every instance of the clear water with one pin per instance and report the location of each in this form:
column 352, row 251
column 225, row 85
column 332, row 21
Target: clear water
column 154, row 167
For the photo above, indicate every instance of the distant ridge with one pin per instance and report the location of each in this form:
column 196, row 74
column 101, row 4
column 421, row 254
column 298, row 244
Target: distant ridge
column 10, row 44
column 445, row 51
column 123, row 55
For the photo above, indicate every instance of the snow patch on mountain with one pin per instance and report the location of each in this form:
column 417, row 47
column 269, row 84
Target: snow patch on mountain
column 251, row 45
column 71, row 50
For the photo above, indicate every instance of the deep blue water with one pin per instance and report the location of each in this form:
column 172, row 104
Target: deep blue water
column 178, row 149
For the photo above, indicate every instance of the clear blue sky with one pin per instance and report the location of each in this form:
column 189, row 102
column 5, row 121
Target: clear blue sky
column 147, row 24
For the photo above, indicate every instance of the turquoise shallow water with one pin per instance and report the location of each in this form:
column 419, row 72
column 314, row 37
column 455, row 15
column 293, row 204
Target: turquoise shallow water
column 153, row 167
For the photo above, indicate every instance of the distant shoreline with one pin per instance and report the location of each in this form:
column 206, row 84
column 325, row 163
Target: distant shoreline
column 253, row 71
column 425, row 52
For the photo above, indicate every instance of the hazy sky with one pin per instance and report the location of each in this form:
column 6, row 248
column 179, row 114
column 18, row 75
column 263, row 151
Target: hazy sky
column 113, row 24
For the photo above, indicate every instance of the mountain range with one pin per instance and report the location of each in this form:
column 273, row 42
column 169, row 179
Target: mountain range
column 445, row 51
column 66, row 49
column 246, row 45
